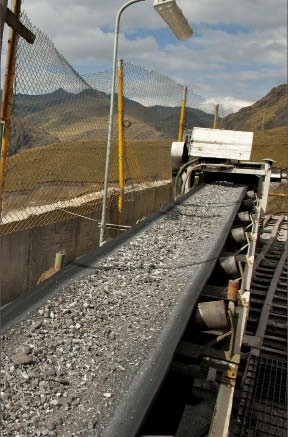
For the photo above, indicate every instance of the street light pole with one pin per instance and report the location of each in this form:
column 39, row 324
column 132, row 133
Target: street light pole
column 172, row 15
column 110, row 124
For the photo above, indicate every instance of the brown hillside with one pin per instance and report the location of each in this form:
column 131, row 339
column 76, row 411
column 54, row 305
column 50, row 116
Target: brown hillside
column 267, row 113
column 271, row 144
column 268, row 119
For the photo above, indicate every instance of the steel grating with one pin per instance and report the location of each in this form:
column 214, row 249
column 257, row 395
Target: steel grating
column 267, row 318
column 263, row 406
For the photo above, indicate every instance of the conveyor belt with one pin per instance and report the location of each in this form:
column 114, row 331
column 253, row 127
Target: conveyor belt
column 100, row 339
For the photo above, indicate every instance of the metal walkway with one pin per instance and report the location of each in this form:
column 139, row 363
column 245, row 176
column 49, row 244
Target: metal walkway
column 262, row 407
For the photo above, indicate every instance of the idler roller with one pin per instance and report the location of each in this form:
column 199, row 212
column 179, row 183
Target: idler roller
column 179, row 154
column 251, row 194
column 229, row 265
column 210, row 315
column 248, row 204
column 244, row 216
column 238, row 234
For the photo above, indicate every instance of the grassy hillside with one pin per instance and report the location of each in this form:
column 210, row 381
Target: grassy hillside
column 268, row 119
column 82, row 162
column 273, row 144
column 73, row 129
column 43, row 175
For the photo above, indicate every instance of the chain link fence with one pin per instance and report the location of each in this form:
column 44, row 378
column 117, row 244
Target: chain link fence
column 57, row 138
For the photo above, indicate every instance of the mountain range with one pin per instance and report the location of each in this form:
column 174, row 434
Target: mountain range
column 64, row 116
column 269, row 112
column 40, row 120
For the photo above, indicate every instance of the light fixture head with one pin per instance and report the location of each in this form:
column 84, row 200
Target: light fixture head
column 173, row 16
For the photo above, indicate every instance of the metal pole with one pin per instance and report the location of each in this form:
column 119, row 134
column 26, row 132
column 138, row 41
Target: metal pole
column 182, row 114
column 109, row 137
column 120, row 134
column 7, row 96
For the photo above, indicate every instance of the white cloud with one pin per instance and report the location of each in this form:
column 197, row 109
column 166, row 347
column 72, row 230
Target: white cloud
column 257, row 13
column 260, row 14
column 228, row 104
column 242, row 64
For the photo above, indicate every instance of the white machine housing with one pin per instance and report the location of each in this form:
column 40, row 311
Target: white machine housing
column 213, row 143
column 220, row 143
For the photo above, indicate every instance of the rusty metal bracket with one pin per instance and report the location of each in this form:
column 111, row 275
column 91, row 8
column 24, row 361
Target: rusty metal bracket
column 229, row 377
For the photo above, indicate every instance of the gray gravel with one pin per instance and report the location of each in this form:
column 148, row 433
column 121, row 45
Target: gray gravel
column 65, row 367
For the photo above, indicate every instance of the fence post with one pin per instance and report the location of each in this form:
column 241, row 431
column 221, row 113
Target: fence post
column 182, row 114
column 216, row 117
column 3, row 7
column 7, row 96
column 120, row 133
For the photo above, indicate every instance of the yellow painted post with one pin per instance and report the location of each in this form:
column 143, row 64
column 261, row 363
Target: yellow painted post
column 7, row 96
column 278, row 194
column 59, row 260
column 120, row 134
column 216, row 117
column 182, row 114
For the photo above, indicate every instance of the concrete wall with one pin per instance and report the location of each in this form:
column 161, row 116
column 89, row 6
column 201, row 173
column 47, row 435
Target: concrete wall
column 26, row 255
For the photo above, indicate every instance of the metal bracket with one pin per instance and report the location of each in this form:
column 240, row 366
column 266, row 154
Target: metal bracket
column 115, row 226
column 252, row 341
column 221, row 365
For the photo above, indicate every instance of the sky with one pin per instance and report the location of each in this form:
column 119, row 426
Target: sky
column 237, row 53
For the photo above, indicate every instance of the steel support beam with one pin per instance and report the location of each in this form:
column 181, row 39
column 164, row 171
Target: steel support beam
column 222, row 411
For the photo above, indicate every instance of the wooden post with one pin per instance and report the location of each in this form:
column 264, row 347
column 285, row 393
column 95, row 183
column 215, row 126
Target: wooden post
column 8, row 95
column 120, row 134
column 182, row 114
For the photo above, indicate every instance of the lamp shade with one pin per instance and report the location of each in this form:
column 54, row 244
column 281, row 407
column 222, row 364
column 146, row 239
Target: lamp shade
column 173, row 16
